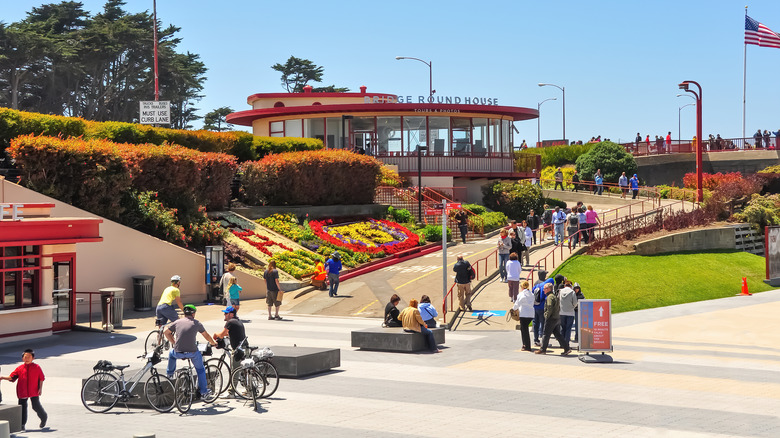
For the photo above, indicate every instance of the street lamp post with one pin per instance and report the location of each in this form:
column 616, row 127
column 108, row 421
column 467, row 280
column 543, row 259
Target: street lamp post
column 420, row 149
column 679, row 136
column 563, row 90
column 684, row 86
column 430, row 75
column 538, row 117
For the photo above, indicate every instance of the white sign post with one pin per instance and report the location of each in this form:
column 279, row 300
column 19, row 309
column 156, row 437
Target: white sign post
column 444, row 248
column 155, row 112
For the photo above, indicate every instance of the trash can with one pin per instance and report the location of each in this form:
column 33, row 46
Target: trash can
column 143, row 285
column 112, row 301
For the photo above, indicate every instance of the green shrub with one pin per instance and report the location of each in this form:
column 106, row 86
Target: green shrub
column 400, row 215
column 432, row 233
column 263, row 146
column 761, row 211
column 610, row 157
column 515, row 200
column 559, row 155
column 493, row 220
column 475, row 208
column 552, row 202
column 548, row 177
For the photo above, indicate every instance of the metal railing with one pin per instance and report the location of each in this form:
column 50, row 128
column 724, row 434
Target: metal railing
column 481, row 268
column 89, row 300
column 407, row 198
column 710, row 145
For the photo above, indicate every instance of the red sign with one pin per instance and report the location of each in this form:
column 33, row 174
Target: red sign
column 595, row 325
column 433, row 212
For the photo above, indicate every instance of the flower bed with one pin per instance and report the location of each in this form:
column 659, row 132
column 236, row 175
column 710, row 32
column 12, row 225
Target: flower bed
column 297, row 263
column 261, row 243
column 373, row 236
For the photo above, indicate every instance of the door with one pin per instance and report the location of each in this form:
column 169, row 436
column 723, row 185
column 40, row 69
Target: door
column 64, row 315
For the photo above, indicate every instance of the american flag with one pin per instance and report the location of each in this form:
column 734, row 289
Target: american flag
column 760, row 35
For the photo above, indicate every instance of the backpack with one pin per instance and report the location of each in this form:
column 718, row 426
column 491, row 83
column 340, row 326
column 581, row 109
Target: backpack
column 538, row 294
column 472, row 273
column 573, row 220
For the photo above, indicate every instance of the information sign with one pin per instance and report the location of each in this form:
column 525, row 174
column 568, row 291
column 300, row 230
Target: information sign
column 155, row 112
column 595, row 325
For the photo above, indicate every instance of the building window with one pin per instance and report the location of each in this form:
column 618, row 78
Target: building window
column 276, row 129
column 279, row 105
column 20, row 270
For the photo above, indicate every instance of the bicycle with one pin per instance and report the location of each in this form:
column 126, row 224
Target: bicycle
column 247, row 382
column 259, row 361
column 102, row 390
column 223, row 362
column 186, row 387
column 156, row 337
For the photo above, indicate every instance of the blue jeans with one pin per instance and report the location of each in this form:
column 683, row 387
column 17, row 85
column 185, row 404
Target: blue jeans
column 559, row 233
column 197, row 362
column 429, row 338
column 333, row 279
column 576, row 327
column 567, row 321
column 502, row 259
column 538, row 324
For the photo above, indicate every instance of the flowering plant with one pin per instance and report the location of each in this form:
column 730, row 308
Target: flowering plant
column 372, row 236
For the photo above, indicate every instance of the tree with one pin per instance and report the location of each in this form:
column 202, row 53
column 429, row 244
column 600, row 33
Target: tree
column 610, row 157
column 513, row 199
column 215, row 120
column 297, row 73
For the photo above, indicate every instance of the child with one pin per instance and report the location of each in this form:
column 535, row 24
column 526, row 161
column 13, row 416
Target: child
column 30, row 385
column 233, row 290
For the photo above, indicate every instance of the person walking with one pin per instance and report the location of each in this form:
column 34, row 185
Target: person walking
column 185, row 345
column 533, row 221
column 504, row 244
column 274, row 294
column 596, row 177
column 333, row 268
column 463, row 279
column 29, row 385
column 552, row 321
column 413, row 322
column 558, row 179
column 568, row 304
column 224, row 282
column 547, row 223
column 668, row 141
column 591, row 219
column 539, row 296
column 529, row 241
column 573, row 227
column 513, row 271
column 463, row 224
column 582, row 235
column 559, row 221
column 623, row 184
column 234, row 291
column 524, row 304
column 580, row 296
column 575, row 181
column 634, row 186
column 599, row 183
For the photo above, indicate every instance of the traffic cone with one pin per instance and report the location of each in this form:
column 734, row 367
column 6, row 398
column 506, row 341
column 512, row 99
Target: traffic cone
column 745, row 288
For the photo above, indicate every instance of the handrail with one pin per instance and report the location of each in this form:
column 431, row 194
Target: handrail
column 480, row 274
column 474, row 218
column 75, row 294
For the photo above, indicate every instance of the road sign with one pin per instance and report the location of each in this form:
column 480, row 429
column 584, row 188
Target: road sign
column 450, row 206
column 595, row 325
column 155, row 112
column 432, row 212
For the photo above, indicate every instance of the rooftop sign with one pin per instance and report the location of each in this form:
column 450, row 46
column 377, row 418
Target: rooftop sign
column 456, row 100
column 11, row 211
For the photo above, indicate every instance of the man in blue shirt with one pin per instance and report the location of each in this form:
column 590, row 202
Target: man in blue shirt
column 558, row 220
column 623, row 183
column 634, row 186
column 333, row 267
column 538, row 323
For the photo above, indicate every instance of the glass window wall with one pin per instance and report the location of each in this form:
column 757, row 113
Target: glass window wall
column 334, row 137
column 277, row 129
column 414, row 133
column 314, row 128
column 388, row 131
column 439, row 133
column 293, row 128
column 480, row 137
column 461, row 136
column 506, row 136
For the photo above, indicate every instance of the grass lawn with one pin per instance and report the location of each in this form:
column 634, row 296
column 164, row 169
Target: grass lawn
column 635, row 282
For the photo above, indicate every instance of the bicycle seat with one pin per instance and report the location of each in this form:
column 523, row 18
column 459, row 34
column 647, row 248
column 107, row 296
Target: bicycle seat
column 120, row 367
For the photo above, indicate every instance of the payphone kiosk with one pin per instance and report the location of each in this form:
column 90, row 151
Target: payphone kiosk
column 215, row 267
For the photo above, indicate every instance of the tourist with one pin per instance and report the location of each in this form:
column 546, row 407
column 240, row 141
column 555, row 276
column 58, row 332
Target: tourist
column 596, row 176
column 552, row 321
column 513, row 271
column 273, row 295
column 592, row 219
column 504, row 244
column 533, row 177
column 463, row 224
column 623, row 184
column 392, row 312
column 580, row 296
column 568, row 305
column 333, row 268
column 29, row 385
column 427, row 311
column 573, row 227
column 547, row 220
column 165, row 311
column 233, row 293
column 599, row 183
column 533, row 221
column 634, row 186
column 224, row 282
column 582, row 235
column 529, row 241
column 558, row 179
column 463, row 279
column 517, row 242
column 575, row 180
column 767, row 138
column 524, row 304
column 413, row 322
column 538, row 325
column 759, row 138
column 235, row 331
column 558, row 220
column 668, row 141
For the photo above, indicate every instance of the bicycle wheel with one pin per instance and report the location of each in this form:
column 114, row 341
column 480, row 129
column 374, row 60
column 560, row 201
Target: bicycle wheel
column 240, row 380
column 183, row 392
column 213, row 382
column 100, row 392
column 270, row 377
column 159, row 393
column 151, row 341
column 224, row 372
column 253, row 379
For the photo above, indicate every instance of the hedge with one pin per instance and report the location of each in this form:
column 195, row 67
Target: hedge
column 94, row 174
column 327, row 177
column 243, row 145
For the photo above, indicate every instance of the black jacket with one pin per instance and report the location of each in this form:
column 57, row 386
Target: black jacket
column 461, row 269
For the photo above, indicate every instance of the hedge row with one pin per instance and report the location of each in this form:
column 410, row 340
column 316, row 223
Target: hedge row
column 327, row 177
column 94, row 174
column 243, row 145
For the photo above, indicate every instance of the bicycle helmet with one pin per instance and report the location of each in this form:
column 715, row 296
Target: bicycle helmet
column 190, row 309
column 175, row 278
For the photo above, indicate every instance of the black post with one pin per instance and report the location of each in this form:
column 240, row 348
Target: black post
column 343, row 130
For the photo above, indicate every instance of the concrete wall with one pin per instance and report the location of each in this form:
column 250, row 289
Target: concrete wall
column 668, row 169
column 125, row 252
column 697, row 240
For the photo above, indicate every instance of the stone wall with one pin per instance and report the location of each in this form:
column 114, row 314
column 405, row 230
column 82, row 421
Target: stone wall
column 697, row 240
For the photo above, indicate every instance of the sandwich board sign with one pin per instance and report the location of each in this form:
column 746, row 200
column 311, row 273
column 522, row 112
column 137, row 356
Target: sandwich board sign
column 595, row 325
column 155, row 112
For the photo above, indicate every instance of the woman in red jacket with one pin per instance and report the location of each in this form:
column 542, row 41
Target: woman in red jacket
column 29, row 378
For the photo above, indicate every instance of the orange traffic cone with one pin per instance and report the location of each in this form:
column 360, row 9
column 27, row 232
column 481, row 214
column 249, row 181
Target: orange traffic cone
column 744, row 287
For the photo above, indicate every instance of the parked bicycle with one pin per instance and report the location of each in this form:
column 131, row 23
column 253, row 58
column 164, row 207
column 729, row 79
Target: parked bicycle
column 102, row 390
column 224, row 361
column 186, row 384
column 256, row 377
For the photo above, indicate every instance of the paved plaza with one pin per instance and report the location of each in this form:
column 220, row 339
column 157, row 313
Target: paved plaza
column 699, row 369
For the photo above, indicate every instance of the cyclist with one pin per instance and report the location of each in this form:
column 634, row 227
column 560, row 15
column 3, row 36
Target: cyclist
column 165, row 310
column 234, row 329
column 185, row 347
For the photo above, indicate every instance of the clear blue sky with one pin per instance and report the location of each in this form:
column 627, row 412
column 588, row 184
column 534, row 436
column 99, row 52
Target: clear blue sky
column 620, row 61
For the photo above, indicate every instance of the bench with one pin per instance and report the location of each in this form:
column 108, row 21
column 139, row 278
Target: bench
column 393, row 339
column 13, row 415
column 305, row 361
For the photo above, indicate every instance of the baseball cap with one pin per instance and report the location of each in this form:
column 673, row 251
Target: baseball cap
column 230, row 309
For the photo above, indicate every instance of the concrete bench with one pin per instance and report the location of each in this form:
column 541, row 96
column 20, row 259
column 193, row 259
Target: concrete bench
column 13, row 415
column 305, row 361
column 393, row 339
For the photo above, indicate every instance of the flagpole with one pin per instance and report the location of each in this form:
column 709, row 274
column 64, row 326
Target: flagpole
column 744, row 83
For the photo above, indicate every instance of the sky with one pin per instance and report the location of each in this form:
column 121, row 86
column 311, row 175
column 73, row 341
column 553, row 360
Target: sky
column 619, row 61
